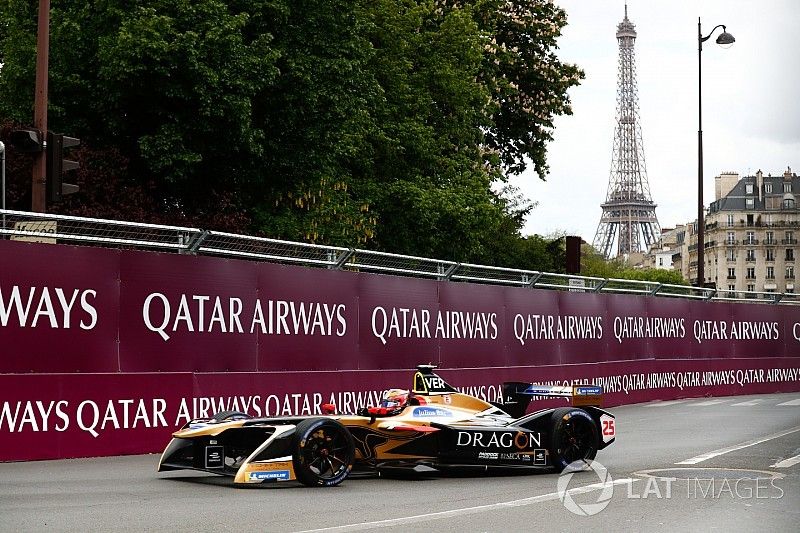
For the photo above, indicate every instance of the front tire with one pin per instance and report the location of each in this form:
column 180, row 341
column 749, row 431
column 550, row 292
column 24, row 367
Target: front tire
column 323, row 452
column 574, row 437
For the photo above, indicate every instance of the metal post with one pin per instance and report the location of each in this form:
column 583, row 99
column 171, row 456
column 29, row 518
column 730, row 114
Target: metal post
column 38, row 188
column 700, row 221
column 3, row 173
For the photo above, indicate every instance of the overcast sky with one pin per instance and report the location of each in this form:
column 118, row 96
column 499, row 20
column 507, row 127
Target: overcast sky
column 751, row 105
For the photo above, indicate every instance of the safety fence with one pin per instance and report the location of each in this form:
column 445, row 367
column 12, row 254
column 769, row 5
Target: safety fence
column 48, row 228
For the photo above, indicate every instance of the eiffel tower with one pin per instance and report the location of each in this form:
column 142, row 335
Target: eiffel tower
column 628, row 223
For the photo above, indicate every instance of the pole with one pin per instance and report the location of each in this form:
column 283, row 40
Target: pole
column 3, row 173
column 700, row 222
column 39, row 177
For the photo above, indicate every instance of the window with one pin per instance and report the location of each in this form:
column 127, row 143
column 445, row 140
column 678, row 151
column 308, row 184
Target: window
column 770, row 272
column 789, row 254
column 748, row 188
column 751, row 272
column 751, row 255
column 751, row 288
column 789, row 237
column 749, row 203
column 731, row 288
column 770, row 254
column 731, row 273
column 730, row 221
column 770, row 238
column 731, row 237
column 790, row 272
column 787, row 187
column 788, row 203
column 789, row 290
column 768, row 187
column 731, row 254
column 751, row 237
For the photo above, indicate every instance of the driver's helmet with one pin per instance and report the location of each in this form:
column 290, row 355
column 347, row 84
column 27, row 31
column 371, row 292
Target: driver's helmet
column 394, row 400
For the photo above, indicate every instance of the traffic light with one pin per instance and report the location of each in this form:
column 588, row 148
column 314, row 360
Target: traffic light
column 26, row 141
column 57, row 166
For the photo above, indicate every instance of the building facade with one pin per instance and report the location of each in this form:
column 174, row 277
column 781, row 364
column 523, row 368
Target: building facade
column 751, row 233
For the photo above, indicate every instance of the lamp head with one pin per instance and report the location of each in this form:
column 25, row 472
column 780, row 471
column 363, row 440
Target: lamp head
column 725, row 39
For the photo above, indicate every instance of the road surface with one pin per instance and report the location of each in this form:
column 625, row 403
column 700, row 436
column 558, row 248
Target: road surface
column 725, row 464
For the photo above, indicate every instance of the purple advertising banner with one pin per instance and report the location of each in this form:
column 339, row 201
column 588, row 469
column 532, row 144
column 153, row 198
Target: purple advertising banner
column 106, row 351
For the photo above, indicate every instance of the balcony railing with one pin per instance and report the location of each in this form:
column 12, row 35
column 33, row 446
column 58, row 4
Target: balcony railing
column 788, row 241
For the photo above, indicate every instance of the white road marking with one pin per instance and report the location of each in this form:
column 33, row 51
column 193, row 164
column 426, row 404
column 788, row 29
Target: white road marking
column 722, row 451
column 786, row 463
column 746, row 404
column 709, row 402
column 467, row 510
column 664, row 404
column 791, row 402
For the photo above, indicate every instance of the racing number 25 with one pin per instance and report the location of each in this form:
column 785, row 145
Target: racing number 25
column 608, row 428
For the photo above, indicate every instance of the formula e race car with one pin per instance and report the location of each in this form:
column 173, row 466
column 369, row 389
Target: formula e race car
column 430, row 428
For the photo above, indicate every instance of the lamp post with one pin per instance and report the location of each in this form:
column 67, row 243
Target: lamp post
column 724, row 38
column 3, row 173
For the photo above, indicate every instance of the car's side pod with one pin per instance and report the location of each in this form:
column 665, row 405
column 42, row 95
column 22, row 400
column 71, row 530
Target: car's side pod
column 515, row 398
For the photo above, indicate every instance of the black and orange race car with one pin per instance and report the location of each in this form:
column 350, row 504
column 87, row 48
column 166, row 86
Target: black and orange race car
column 430, row 428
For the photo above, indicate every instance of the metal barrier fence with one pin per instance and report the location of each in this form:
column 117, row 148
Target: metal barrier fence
column 47, row 228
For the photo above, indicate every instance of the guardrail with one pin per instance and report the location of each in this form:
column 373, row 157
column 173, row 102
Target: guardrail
column 38, row 227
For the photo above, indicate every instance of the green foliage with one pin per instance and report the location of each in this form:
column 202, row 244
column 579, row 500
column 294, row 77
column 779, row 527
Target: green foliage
column 389, row 124
column 593, row 264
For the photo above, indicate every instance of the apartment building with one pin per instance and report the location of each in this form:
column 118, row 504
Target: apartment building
column 751, row 234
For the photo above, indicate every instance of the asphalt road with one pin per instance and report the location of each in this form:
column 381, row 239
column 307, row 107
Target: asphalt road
column 751, row 439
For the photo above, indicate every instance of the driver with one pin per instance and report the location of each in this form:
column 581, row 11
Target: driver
column 392, row 402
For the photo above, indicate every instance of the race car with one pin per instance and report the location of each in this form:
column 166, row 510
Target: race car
column 430, row 428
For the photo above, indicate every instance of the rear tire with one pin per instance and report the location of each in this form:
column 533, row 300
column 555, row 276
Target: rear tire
column 574, row 437
column 323, row 452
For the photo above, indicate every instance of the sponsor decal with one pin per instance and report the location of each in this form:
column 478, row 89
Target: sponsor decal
column 588, row 391
column 522, row 457
column 272, row 465
column 538, row 392
column 215, row 456
column 488, row 455
column 508, row 440
column 431, row 411
column 540, row 457
column 277, row 475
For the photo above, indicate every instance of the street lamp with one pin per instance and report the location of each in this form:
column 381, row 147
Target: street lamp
column 725, row 39
column 3, row 173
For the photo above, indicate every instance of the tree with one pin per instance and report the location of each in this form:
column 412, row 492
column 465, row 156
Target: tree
column 388, row 124
column 527, row 81
column 594, row 264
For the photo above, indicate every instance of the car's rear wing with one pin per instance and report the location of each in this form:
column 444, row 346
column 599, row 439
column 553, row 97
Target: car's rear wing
column 517, row 395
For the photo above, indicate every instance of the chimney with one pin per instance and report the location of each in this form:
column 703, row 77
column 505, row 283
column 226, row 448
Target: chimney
column 724, row 184
column 760, row 184
column 788, row 174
